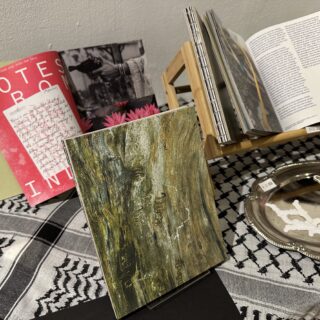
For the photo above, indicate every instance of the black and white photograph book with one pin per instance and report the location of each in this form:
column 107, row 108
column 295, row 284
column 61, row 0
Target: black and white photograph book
column 110, row 83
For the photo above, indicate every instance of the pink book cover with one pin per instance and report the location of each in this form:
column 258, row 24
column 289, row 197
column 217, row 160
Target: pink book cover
column 37, row 112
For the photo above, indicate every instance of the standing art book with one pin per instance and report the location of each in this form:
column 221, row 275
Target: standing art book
column 38, row 110
column 270, row 79
column 149, row 200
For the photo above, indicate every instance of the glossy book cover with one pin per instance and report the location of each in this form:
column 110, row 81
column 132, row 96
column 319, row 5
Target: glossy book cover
column 149, row 200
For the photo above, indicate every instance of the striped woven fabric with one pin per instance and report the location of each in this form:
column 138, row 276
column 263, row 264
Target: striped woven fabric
column 47, row 258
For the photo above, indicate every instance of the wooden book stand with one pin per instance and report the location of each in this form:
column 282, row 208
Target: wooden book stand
column 186, row 60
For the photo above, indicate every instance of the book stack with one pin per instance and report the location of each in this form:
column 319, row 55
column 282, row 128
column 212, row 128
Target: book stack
column 264, row 85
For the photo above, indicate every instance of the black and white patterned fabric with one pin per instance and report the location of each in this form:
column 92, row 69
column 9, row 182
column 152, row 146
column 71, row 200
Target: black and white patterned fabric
column 266, row 282
column 48, row 260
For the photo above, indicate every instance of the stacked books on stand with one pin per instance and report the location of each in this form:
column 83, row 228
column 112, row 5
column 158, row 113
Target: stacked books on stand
column 264, row 85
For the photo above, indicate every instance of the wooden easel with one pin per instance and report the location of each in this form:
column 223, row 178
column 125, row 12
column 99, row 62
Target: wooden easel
column 185, row 60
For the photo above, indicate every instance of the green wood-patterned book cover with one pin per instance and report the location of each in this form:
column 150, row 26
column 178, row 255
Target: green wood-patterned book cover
column 149, row 201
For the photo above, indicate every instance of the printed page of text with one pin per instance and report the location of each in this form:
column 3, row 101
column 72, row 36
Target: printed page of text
column 287, row 57
column 41, row 122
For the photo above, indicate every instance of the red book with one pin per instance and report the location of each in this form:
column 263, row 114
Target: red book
column 37, row 112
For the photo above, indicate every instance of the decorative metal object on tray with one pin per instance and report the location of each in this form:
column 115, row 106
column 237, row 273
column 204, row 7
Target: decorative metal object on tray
column 284, row 207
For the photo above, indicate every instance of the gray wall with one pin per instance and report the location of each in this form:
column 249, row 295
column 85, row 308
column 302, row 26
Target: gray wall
column 31, row 26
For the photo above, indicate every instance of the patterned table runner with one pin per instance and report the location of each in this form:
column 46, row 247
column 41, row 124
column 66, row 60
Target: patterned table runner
column 48, row 260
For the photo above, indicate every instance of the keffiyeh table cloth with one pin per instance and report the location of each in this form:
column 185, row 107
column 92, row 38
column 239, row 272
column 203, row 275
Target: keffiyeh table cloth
column 48, row 260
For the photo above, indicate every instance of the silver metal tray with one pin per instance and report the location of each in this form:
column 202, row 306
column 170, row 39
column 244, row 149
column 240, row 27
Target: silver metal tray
column 284, row 207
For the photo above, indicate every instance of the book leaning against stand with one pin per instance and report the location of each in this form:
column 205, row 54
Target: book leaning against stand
column 271, row 79
column 153, row 221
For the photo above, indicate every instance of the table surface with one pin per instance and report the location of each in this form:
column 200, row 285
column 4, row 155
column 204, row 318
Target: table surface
column 48, row 261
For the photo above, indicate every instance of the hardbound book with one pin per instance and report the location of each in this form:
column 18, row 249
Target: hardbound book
column 271, row 77
column 149, row 201
column 40, row 107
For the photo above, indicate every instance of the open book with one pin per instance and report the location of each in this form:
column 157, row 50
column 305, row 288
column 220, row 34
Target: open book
column 38, row 110
column 270, row 79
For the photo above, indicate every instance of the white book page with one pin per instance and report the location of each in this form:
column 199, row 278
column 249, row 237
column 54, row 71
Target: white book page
column 287, row 57
column 41, row 122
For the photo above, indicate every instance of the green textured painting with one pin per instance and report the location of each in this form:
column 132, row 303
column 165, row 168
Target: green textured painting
column 149, row 200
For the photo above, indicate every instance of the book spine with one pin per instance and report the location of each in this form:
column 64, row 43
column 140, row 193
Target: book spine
column 198, row 45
